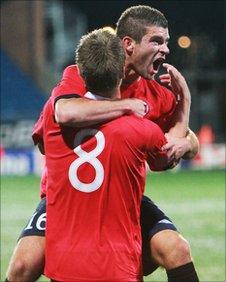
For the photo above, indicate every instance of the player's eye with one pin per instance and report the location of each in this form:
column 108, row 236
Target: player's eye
column 156, row 41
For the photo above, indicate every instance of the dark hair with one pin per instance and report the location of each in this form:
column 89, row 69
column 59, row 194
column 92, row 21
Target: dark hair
column 100, row 58
column 134, row 21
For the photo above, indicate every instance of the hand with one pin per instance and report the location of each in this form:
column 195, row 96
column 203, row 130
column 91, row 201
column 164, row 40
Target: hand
column 176, row 147
column 176, row 81
column 138, row 107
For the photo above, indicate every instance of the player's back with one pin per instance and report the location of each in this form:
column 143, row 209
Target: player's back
column 96, row 180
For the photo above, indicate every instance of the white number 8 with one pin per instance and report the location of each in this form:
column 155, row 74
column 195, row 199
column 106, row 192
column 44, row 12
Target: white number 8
column 89, row 157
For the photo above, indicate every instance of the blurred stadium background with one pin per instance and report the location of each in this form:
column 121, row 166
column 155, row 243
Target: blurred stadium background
column 38, row 40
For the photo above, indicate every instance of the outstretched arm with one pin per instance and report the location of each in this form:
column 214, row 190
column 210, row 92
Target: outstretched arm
column 78, row 112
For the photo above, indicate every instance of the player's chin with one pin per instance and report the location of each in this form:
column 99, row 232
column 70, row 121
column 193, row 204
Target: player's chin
column 150, row 76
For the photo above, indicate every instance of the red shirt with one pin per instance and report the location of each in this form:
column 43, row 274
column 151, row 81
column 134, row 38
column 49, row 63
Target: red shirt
column 94, row 192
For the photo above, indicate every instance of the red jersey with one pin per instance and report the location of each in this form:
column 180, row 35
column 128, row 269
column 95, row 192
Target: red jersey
column 96, row 179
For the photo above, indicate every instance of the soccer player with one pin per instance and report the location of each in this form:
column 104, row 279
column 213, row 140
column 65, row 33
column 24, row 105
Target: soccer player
column 144, row 33
column 96, row 177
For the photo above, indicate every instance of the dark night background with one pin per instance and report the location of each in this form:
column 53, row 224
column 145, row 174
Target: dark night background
column 193, row 18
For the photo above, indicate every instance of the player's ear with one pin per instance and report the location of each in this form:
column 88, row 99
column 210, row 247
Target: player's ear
column 128, row 44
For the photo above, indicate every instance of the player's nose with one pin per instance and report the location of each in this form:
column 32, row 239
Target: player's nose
column 164, row 49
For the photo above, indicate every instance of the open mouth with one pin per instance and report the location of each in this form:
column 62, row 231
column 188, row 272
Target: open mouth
column 157, row 63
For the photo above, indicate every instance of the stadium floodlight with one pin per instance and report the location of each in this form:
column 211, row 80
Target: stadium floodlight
column 184, row 41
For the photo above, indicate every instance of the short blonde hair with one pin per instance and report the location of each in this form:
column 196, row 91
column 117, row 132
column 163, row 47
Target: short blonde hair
column 100, row 58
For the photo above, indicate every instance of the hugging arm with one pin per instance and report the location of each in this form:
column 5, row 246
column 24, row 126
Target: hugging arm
column 78, row 112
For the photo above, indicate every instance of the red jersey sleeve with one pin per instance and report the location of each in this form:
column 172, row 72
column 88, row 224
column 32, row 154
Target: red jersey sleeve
column 156, row 158
column 71, row 85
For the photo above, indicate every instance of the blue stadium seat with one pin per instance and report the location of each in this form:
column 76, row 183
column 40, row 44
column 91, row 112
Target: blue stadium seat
column 20, row 97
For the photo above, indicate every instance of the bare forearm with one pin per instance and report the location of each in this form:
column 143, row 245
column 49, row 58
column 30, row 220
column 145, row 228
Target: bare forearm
column 180, row 120
column 82, row 112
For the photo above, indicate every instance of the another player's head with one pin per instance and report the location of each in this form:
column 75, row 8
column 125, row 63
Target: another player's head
column 144, row 34
column 100, row 58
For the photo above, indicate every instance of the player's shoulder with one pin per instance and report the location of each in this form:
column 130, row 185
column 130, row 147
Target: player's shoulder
column 129, row 119
column 147, row 126
column 71, row 74
column 127, row 123
column 71, row 70
column 71, row 83
column 136, row 130
column 120, row 124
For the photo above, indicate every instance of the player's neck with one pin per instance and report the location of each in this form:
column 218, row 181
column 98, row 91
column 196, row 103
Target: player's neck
column 106, row 95
column 130, row 77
